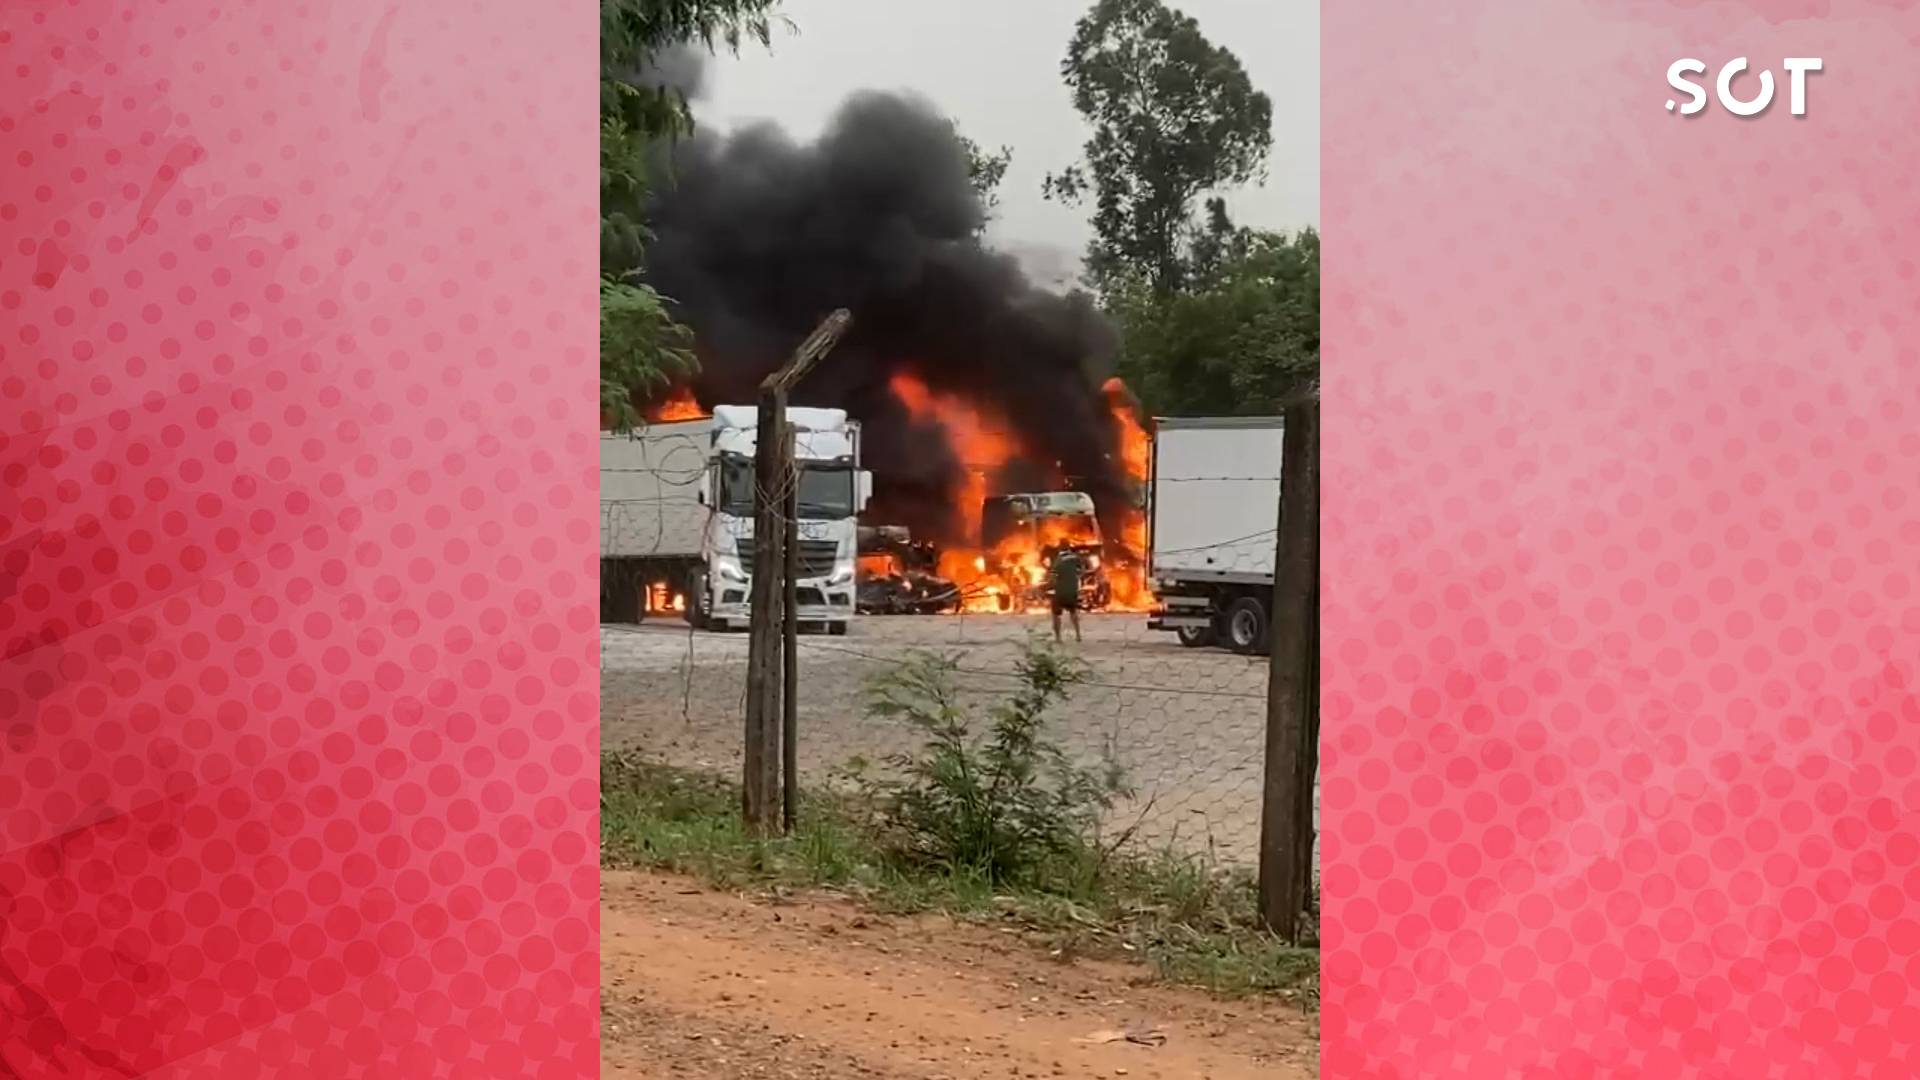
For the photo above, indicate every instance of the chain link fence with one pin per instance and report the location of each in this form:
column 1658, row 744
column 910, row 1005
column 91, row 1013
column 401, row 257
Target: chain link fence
column 1186, row 725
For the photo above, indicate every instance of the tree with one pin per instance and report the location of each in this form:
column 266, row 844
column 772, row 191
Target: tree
column 1240, row 339
column 641, row 345
column 1173, row 116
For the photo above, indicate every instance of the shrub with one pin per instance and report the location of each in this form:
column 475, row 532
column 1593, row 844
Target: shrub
column 1005, row 802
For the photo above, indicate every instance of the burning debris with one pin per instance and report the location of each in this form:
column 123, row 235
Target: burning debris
column 970, row 382
column 897, row 576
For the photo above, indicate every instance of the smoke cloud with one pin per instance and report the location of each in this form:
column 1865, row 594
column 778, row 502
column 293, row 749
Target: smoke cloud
column 757, row 237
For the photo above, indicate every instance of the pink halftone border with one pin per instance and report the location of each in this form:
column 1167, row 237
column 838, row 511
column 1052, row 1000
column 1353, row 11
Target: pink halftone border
column 1622, row 481
column 297, row 592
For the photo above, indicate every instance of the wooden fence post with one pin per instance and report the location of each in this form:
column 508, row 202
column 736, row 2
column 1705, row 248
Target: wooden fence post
column 1293, row 678
column 790, row 645
column 760, row 782
column 763, row 752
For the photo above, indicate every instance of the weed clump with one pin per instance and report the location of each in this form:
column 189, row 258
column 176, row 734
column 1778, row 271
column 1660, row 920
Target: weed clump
column 988, row 819
column 999, row 799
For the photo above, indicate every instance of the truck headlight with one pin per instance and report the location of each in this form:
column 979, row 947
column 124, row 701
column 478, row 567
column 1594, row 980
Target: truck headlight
column 840, row 577
column 729, row 570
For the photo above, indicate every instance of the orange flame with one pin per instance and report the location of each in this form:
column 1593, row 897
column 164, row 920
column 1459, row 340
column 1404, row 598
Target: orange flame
column 981, row 444
column 980, row 439
column 1130, row 588
column 1136, row 450
column 1009, row 576
column 661, row 598
column 678, row 405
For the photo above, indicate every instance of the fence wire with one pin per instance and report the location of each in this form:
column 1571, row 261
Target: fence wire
column 1186, row 725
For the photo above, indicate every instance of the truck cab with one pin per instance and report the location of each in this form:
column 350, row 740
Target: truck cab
column 1031, row 528
column 832, row 490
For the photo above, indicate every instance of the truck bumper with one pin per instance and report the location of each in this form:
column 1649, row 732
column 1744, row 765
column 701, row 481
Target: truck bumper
column 817, row 603
column 1181, row 613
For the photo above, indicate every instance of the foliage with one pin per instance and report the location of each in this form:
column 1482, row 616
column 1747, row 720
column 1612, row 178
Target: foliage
column 633, row 32
column 638, row 109
column 1173, row 116
column 1194, row 922
column 1239, row 340
column 1000, row 803
column 641, row 346
column 623, row 184
column 985, row 171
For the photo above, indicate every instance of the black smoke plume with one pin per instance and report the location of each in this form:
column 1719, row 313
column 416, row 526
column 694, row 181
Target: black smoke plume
column 757, row 237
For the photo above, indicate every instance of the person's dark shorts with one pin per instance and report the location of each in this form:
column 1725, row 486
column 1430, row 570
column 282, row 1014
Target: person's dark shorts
column 1066, row 603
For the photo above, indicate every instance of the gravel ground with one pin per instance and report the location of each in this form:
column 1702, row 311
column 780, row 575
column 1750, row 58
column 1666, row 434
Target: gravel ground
column 1187, row 724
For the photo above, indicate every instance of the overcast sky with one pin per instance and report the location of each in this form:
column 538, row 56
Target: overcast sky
column 994, row 66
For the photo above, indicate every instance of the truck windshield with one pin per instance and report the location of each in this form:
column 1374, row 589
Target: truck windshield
column 826, row 490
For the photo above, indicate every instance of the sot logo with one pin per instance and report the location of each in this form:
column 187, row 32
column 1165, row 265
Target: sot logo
column 1796, row 68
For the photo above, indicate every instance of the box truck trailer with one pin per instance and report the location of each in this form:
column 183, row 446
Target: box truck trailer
column 1213, row 507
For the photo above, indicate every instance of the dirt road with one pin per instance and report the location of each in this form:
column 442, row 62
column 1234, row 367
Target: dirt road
column 703, row 986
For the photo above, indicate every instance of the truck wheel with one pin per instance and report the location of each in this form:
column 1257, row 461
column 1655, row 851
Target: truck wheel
column 1195, row 637
column 837, row 629
column 1245, row 624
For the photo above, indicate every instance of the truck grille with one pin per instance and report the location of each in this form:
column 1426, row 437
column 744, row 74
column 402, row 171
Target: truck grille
column 816, row 556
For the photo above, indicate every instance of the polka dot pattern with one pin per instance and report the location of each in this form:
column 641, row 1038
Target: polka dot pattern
column 1620, row 771
column 298, row 727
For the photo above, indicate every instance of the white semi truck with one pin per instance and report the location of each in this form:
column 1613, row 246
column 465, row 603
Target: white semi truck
column 676, row 518
column 1213, row 505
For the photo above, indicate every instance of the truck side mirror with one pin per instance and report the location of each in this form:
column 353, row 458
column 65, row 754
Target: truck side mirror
column 865, row 482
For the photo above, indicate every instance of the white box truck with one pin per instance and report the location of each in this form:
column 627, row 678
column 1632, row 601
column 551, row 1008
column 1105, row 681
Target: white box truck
column 676, row 518
column 1213, row 508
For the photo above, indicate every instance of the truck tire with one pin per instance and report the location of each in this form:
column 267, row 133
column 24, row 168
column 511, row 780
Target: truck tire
column 1244, row 626
column 837, row 629
column 1196, row 637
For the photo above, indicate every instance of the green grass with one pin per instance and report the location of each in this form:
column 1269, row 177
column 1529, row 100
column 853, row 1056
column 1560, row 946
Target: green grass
column 1192, row 923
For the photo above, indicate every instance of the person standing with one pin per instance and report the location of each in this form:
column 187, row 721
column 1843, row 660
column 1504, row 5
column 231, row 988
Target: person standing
column 1066, row 571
